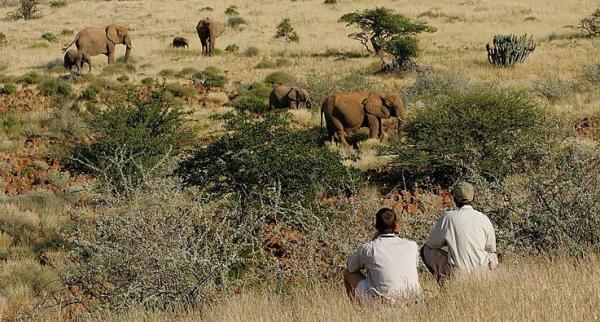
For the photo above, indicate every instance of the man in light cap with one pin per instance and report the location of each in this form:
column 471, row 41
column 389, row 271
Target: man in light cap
column 467, row 234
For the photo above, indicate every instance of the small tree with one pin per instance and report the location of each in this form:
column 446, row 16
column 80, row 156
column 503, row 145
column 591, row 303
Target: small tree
column 286, row 31
column 28, row 9
column 380, row 25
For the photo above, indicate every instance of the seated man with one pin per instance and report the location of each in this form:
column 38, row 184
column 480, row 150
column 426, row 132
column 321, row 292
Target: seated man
column 466, row 233
column 390, row 262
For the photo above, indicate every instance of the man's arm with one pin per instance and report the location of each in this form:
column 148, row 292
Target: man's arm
column 490, row 243
column 437, row 238
column 356, row 261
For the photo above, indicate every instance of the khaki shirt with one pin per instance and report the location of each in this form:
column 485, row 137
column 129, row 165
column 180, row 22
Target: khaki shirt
column 391, row 263
column 469, row 236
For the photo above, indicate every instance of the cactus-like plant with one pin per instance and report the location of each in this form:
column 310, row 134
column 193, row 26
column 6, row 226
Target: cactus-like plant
column 508, row 50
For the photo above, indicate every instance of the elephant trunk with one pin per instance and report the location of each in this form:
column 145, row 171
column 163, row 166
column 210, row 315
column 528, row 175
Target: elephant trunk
column 127, row 43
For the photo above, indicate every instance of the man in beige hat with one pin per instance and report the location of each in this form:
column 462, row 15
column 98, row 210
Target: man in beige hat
column 467, row 234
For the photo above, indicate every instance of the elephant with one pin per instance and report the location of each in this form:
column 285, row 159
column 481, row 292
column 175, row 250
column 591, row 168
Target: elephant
column 76, row 58
column 208, row 32
column 96, row 41
column 180, row 42
column 353, row 110
column 288, row 97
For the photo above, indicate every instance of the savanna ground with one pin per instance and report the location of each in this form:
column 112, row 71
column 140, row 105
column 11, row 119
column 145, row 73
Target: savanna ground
column 43, row 197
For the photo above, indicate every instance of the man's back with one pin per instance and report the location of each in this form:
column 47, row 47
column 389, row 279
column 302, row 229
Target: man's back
column 391, row 263
column 469, row 236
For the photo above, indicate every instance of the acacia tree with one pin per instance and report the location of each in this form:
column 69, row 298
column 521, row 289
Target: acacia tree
column 378, row 26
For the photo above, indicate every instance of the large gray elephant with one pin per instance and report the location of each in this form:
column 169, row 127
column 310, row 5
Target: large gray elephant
column 76, row 58
column 102, row 41
column 208, row 31
column 288, row 97
column 353, row 110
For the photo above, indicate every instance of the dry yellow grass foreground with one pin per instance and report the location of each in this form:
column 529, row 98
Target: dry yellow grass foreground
column 535, row 290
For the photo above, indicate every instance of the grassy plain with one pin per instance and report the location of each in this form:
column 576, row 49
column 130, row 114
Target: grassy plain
column 524, row 289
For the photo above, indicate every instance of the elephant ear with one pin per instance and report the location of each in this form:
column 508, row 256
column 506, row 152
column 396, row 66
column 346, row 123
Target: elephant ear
column 113, row 34
column 373, row 104
column 293, row 94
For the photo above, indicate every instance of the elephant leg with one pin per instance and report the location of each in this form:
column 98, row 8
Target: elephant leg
column 339, row 130
column 293, row 105
column 382, row 135
column 374, row 124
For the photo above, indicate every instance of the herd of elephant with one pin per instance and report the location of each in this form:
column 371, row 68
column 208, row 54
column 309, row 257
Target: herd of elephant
column 93, row 41
column 341, row 111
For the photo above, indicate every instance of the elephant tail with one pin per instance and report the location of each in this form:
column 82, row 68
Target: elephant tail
column 70, row 44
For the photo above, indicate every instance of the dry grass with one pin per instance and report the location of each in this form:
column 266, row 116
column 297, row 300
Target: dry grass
column 524, row 290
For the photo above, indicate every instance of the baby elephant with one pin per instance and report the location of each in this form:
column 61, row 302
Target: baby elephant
column 288, row 97
column 76, row 58
column 180, row 42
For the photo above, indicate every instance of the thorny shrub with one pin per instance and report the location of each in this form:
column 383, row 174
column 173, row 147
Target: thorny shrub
column 493, row 130
column 268, row 155
column 138, row 133
column 551, row 209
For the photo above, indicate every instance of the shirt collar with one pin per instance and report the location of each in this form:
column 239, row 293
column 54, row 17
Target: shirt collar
column 466, row 207
column 387, row 235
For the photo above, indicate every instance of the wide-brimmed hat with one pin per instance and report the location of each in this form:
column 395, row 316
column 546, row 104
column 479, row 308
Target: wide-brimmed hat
column 463, row 192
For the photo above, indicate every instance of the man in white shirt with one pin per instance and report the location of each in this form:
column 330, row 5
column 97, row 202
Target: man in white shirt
column 467, row 234
column 390, row 262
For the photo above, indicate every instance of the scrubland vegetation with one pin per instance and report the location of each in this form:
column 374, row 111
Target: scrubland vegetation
column 164, row 188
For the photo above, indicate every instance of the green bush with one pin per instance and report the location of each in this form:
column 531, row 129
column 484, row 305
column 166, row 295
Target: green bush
column 249, row 103
column 279, row 77
column 430, row 85
column 67, row 32
column 232, row 48
column 591, row 73
column 484, row 130
column 48, row 36
column 55, row 66
column 55, row 87
column 258, row 89
column 31, row 78
column 206, row 9
column 169, row 72
column 236, row 21
column 123, row 79
column 58, row 4
column 90, row 92
column 179, row 90
column 185, row 72
column 3, row 38
column 330, row 2
column 268, row 155
column 286, row 32
column 251, row 51
column 10, row 122
column 554, row 90
column 8, row 89
column 403, row 49
column 322, row 85
column 552, row 208
column 232, row 10
column 131, row 137
column 265, row 64
column 210, row 77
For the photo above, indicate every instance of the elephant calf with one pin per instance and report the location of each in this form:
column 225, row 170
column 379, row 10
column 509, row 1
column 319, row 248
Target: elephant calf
column 288, row 97
column 180, row 42
column 76, row 58
column 353, row 110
